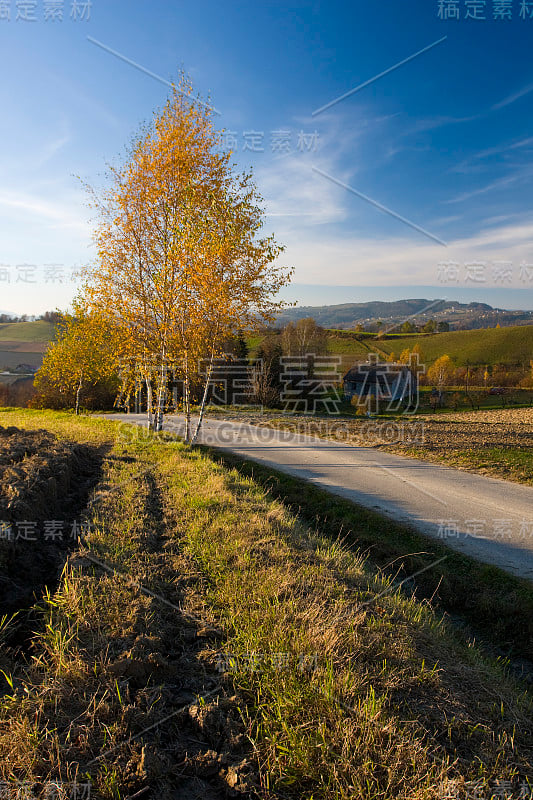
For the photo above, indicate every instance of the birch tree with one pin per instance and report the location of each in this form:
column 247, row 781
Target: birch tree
column 181, row 260
column 441, row 372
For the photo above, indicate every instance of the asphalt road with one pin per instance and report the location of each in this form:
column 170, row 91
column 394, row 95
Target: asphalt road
column 487, row 518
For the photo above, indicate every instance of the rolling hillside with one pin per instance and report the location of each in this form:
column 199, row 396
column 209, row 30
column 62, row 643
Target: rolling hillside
column 491, row 346
column 38, row 331
column 24, row 343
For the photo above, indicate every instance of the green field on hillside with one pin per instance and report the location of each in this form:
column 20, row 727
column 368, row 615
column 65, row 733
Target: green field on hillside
column 356, row 349
column 486, row 346
column 38, row 331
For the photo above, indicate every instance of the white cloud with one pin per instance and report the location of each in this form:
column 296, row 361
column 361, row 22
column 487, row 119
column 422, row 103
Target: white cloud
column 52, row 147
column 400, row 261
column 31, row 209
column 293, row 192
column 475, row 163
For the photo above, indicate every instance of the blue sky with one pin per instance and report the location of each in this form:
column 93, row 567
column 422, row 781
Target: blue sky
column 416, row 185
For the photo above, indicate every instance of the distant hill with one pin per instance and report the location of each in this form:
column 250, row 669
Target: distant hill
column 460, row 316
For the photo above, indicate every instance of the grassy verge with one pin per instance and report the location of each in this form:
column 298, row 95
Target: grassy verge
column 495, row 606
column 508, row 463
column 320, row 678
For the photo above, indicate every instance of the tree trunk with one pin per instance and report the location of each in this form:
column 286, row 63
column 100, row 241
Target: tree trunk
column 203, row 404
column 78, row 393
column 158, row 424
column 187, row 400
column 149, row 401
column 206, row 389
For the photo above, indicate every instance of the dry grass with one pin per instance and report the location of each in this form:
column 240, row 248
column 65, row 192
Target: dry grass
column 396, row 703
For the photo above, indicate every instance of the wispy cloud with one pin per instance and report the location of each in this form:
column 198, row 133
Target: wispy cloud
column 291, row 189
column 512, row 98
column 477, row 163
column 32, row 210
column 431, row 123
column 51, row 148
column 445, row 220
column 519, row 175
column 380, row 206
column 32, row 204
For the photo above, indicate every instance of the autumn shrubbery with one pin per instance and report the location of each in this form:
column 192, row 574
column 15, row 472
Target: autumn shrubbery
column 98, row 397
column 20, row 393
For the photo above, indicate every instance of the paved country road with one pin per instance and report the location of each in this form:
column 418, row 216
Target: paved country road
column 487, row 518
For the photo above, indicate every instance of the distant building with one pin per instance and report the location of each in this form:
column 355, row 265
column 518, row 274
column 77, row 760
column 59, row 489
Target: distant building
column 24, row 369
column 393, row 385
